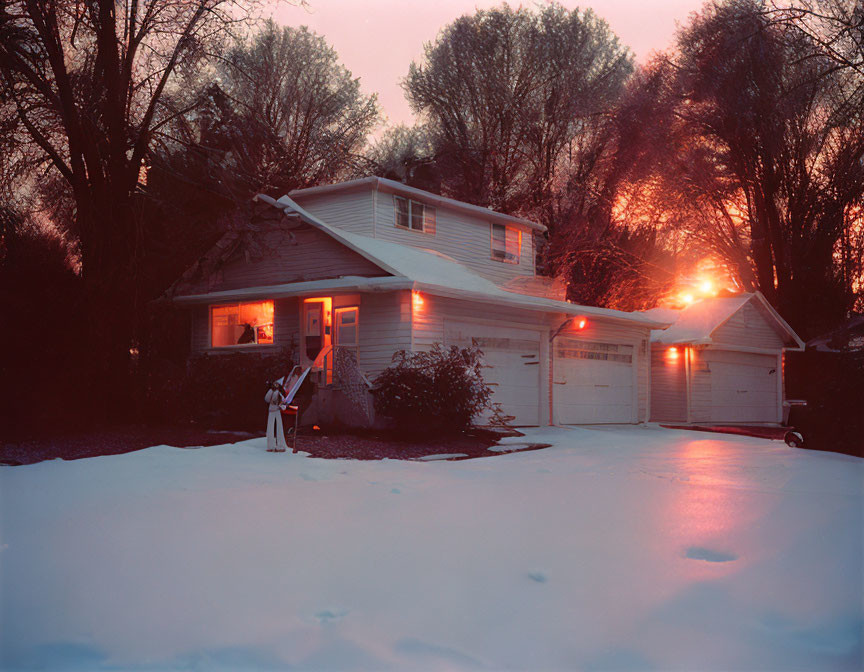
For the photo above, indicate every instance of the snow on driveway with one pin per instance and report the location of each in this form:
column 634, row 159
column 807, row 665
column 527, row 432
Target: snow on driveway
column 617, row 548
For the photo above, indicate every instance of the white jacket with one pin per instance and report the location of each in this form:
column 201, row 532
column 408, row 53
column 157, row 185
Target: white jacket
column 274, row 399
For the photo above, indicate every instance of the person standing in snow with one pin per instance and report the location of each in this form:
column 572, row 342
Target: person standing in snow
column 275, row 433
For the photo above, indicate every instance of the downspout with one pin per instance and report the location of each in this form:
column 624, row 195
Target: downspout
column 375, row 209
column 551, row 356
column 688, row 393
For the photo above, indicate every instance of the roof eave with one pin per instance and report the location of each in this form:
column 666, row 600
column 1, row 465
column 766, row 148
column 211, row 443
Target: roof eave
column 299, row 289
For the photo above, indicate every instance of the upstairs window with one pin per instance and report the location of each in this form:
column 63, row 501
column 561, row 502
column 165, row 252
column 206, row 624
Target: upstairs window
column 241, row 324
column 414, row 215
column 506, row 243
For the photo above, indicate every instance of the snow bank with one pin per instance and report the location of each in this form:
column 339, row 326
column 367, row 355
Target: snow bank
column 616, row 548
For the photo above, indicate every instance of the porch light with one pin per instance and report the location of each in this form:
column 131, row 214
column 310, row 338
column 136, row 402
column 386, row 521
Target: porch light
column 581, row 323
column 672, row 354
column 417, row 300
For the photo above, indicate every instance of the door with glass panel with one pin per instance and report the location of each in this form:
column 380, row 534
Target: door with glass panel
column 347, row 335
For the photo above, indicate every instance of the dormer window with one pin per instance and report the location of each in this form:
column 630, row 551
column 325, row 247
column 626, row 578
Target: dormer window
column 506, row 243
column 414, row 215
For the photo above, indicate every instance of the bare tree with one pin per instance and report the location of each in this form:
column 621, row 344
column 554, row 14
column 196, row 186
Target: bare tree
column 295, row 115
column 504, row 92
column 760, row 158
column 91, row 84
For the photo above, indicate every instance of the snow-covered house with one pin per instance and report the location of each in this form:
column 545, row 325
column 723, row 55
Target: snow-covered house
column 373, row 266
column 721, row 361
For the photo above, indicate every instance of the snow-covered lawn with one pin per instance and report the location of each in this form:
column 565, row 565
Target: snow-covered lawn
column 618, row 548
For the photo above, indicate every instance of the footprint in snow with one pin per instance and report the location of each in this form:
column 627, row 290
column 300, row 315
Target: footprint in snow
column 331, row 615
column 539, row 577
column 698, row 553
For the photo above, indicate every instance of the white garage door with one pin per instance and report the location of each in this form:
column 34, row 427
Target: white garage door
column 593, row 382
column 511, row 365
column 743, row 386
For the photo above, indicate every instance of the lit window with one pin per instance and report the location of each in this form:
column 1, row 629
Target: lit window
column 506, row 243
column 241, row 324
column 414, row 215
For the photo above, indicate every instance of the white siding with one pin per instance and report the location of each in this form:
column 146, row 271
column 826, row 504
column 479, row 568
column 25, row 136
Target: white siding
column 350, row 210
column 749, row 327
column 294, row 254
column 463, row 237
column 668, row 386
column 384, row 328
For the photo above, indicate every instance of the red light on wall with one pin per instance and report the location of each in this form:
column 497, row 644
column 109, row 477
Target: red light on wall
column 672, row 354
column 582, row 323
column 417, row 300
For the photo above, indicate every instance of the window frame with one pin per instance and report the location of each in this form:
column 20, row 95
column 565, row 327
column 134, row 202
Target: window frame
column 239, row 346
column 504, row 258
column 426, row 209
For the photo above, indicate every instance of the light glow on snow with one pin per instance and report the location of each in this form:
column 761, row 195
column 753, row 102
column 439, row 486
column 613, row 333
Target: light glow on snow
column 617, row 548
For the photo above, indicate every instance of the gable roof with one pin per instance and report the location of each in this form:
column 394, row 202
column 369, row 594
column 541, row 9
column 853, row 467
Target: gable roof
column 696, row 324
column 395, row 187
column 413, row 268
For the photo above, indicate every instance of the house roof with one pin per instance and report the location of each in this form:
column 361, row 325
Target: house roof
column 849, row 337
column 696, row 324
column 412, row 192
column 412, row 268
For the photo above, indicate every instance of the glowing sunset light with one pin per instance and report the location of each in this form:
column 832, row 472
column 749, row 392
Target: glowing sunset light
column 417, row 300
column 706, row 287
column 687, row 298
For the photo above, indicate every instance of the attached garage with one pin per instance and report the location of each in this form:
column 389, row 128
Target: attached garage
column 720, row 362
column 593, row 382
column 511, row 365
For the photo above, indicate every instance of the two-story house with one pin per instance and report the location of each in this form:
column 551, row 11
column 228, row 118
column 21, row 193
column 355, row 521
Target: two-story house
column 372, row 266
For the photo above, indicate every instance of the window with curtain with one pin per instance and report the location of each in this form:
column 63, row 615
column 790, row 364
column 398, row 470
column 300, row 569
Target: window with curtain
column 506, row 243
column 248, row 323
column 414, row 215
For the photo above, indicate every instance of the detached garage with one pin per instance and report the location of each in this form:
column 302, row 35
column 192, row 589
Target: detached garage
column 721, row 361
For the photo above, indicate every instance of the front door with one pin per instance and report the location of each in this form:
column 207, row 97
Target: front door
column 313, row 329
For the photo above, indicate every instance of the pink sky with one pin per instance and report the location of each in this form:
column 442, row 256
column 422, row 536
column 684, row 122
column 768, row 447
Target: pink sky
column 377, row 39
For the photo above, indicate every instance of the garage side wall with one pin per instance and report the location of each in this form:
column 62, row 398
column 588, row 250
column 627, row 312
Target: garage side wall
column 668, row 386
column 748, row 327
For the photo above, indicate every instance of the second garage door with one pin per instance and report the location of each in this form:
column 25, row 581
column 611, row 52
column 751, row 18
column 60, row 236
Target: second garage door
column 743, row 386
column 593, row 382
column 512, row 365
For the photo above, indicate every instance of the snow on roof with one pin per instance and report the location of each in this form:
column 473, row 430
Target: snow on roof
column 438, row 274
column 428, row 196
column 697, row 322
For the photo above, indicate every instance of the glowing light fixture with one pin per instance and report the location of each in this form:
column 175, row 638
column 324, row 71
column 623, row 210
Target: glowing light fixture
column 672, row 354
column 581, row 323
column 417, row 300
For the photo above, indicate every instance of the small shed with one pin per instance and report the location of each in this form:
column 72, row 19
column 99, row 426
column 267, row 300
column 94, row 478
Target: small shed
column 721, row 361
